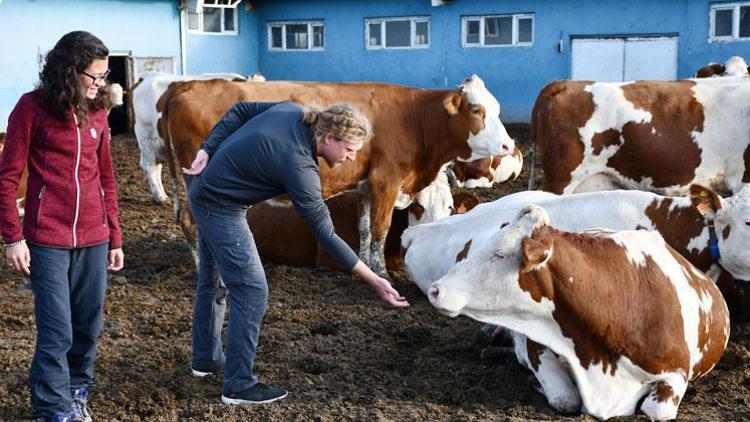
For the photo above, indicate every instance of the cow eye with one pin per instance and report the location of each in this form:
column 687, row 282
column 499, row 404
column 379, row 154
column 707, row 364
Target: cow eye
column 476, row 111
column 499, row 256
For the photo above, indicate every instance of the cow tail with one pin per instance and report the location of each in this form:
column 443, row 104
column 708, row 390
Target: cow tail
column 171, row 155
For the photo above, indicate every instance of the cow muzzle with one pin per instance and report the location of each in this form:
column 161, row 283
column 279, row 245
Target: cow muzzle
column 445, row 301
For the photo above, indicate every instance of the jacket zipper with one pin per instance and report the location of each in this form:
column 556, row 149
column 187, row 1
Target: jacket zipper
column 78, row 186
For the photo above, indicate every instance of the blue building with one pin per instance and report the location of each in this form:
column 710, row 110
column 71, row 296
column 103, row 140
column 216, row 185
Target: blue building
column 515, row 46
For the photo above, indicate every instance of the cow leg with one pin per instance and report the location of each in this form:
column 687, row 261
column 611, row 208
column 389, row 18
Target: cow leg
column 551, row 372
column 152, row 171
column 664, row 398
column 363, row 226
column 383, row 197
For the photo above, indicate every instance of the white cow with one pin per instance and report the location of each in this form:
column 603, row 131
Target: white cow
column 145, row 94
column 433, row 249
column 615, row 320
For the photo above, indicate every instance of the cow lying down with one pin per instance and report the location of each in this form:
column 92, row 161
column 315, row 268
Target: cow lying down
column 433, row 249
column 613, row 319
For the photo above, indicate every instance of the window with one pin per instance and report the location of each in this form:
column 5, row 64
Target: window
column 295, row 36
column 397, row 33
column 497, row 30
column 730, row 22
column 212, row 19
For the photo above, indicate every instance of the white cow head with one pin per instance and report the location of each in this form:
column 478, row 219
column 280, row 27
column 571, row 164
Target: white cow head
column 735, row 66
column 492, row 139
column 732, row 221
column 485, row 285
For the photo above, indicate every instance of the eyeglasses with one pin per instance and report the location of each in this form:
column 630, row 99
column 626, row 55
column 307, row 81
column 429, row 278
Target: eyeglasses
column 100, row 78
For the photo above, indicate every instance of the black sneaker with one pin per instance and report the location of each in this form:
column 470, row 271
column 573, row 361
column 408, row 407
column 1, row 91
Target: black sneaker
column 257, row 394
column 200, row 371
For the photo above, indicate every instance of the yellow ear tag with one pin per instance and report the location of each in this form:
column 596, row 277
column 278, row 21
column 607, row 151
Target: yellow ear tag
column 704, row 194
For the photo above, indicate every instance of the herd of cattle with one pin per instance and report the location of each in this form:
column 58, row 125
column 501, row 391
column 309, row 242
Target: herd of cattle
column 613, row 282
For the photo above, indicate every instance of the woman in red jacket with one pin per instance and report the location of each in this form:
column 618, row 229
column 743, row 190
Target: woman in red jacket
column 71, row 235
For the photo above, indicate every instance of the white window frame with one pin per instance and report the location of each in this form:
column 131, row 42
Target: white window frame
column 482, row 19
column 413, row 35
column 283, row 25
column 735, row 7
column 200, row 30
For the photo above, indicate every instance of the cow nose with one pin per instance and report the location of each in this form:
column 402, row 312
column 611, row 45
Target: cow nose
column 505, row 148
column 434, row 293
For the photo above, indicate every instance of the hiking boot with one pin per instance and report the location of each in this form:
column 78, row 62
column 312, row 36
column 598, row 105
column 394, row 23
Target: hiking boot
column 257, row 394
column 57, row 417
column 80, row 410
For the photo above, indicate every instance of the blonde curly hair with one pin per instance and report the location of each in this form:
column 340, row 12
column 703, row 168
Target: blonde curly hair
column 343, row 121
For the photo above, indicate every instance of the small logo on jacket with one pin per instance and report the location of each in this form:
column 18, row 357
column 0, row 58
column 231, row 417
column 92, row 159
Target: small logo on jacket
column 93, row 132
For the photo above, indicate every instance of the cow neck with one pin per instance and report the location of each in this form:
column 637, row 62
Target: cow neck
column 679, row 223
column 603, row 334
column 435, row 144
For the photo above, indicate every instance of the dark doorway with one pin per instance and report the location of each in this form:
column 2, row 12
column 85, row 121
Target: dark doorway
column 118, row 117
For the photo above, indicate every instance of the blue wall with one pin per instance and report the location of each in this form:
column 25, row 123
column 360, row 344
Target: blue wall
column 225, row 53
column 28, row 29
column 515, row 75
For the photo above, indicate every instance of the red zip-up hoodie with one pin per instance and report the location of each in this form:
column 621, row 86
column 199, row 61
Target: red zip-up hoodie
column 71, row 199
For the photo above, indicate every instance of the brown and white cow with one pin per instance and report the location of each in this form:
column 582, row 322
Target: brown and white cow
column 416, row 132
column 615, row 319
column 734, row 66
column 145, row 95
column 282, row 236
column 433, row 249
column 660, row 136
column 485, row 172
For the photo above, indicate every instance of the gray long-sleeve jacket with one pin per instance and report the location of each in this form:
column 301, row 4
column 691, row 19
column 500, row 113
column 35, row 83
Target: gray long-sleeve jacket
column 261, row 150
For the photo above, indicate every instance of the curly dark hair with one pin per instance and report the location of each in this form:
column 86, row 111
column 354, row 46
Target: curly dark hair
column 59, row 79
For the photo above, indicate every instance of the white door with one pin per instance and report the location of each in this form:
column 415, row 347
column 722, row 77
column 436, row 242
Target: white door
column 138, row 65
column 651, row 58
column 624, row 59
column 598, row 59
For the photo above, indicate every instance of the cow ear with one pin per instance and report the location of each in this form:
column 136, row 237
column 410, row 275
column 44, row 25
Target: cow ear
column 452, row 103
column 534, row 254
column 705, row 200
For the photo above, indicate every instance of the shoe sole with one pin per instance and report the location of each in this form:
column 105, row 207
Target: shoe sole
column 227, row 400
column 199, row 374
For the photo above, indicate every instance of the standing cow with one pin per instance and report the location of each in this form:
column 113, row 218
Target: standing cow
column 416, row 132
column 145, row 95
column 660, row 136
column 615, row 320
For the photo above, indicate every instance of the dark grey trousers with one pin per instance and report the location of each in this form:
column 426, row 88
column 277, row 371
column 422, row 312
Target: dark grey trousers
column 69, row 286
column 227, row 245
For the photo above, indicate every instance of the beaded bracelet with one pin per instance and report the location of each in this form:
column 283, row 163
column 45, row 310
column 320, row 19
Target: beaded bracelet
column 17, row 242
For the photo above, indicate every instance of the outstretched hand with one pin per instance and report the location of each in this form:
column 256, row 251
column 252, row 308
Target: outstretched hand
column 201, row 159
column 387, row 293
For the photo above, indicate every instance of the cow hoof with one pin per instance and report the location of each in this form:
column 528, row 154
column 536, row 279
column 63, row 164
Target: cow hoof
column 161, row 201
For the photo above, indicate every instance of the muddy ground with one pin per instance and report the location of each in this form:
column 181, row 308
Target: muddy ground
column 326, row 337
